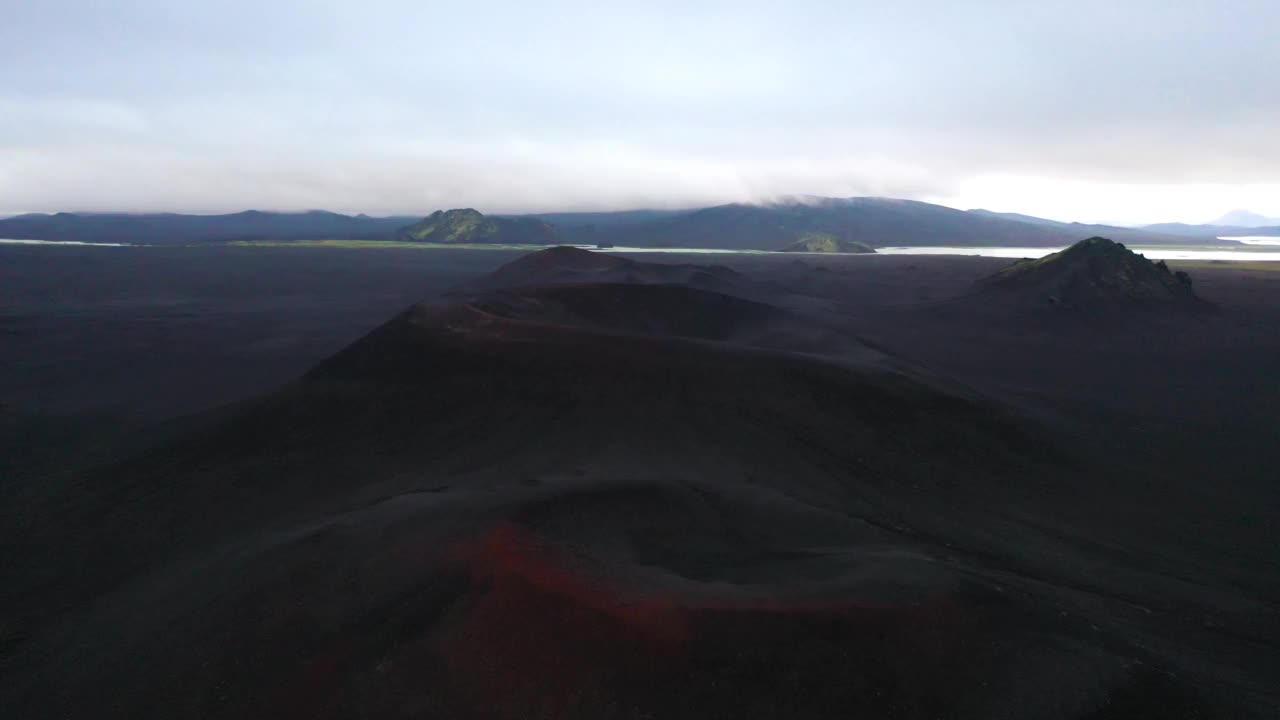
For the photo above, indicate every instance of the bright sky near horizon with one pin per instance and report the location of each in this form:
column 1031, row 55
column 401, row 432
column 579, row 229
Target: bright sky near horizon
column 1089, row 110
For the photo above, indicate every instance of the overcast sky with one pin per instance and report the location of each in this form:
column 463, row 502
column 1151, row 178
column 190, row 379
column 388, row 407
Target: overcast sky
column 1090, row 110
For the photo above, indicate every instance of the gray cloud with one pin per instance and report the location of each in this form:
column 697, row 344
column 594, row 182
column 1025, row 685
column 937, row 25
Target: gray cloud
column 405, row 106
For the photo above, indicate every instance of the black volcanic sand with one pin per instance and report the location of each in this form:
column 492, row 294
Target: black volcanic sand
column 103, row 348
column 815, row 487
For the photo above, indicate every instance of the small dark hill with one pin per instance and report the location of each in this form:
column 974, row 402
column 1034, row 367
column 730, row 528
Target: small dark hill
column 1096, row 274
column 470, row 226
column 673, row 310
column 827, row 243
column 569, row 265
column 678, row 311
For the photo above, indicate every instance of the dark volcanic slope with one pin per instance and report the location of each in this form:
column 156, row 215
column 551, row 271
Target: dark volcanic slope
column 538, row 503
column 678, row 311
column 1096, row 274
column 669, row 470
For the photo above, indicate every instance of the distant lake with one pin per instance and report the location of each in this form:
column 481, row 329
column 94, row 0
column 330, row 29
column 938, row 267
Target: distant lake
column 1252, row 254
column 7, row 241
column 1255, row 239
column 1151, row 253
column 1251, row 249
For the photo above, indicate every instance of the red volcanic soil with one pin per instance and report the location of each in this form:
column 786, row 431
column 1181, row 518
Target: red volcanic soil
column 539, row 637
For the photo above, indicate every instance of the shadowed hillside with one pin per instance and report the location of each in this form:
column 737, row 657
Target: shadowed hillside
column 605, row 489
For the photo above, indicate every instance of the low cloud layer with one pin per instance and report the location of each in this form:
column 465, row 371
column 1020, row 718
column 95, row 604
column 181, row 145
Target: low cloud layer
column 400, row 107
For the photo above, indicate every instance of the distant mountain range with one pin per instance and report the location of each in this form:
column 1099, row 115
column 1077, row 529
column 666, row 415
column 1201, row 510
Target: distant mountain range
column 873, row 222
column 1236, row 223
column 876, row 222
column 1212, row 231
column 171, row 228
column 1018, row 217
column 1246, row 219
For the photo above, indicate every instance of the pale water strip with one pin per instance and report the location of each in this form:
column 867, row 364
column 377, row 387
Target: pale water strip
column 1249, row 253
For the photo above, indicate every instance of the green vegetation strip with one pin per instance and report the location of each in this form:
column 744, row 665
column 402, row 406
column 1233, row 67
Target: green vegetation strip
column 383, row 244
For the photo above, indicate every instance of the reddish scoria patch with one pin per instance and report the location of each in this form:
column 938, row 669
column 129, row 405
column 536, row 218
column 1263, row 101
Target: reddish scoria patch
column 541, row 637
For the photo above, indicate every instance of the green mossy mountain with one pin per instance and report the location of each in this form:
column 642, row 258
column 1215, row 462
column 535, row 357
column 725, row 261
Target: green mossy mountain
column 1094, row 273
column 468, row 226
column 827, row 243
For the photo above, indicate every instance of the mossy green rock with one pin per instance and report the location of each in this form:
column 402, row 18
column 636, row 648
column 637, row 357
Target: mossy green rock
column 826, row 243
column 468, row 226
